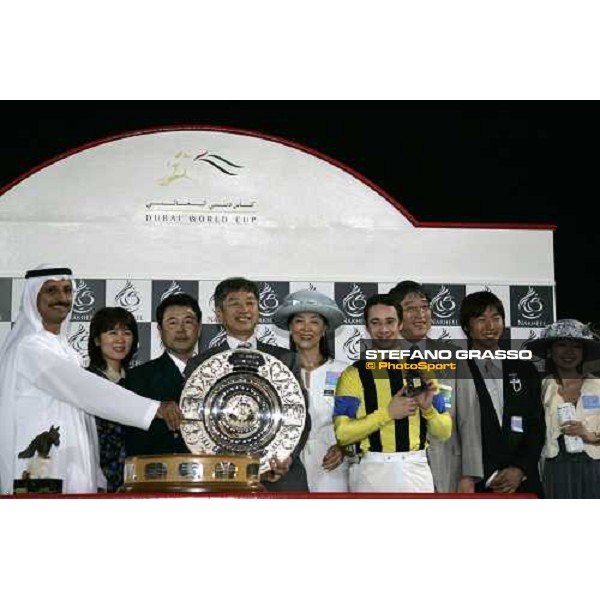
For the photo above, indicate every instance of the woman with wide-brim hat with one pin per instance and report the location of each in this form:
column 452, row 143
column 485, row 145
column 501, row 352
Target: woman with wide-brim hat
column 309, row 316
column 570, row 471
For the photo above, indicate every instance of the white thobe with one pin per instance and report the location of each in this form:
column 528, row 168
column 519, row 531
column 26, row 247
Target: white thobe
column 322, row 436
column 53, row 389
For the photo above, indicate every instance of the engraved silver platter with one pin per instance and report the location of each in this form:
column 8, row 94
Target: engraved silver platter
column 243, row 402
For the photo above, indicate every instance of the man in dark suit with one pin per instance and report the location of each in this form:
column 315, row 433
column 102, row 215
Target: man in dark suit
column 179, row 321
column 456, row 463
column 513, row 426
column 236, row 307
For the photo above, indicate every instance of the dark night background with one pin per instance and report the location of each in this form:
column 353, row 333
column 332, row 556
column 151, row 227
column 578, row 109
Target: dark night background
column 516, row 162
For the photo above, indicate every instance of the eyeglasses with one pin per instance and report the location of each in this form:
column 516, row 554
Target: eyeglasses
column 415, row 310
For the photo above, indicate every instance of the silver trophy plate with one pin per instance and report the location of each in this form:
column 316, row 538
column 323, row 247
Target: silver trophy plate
column 243, row 402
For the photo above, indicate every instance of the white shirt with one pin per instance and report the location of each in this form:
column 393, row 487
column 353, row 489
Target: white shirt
column 178, row 362
column 321, row 437
column 491, row 369
column 53, row 389
column 42, row 384
column 234, row 342
column 587, row 410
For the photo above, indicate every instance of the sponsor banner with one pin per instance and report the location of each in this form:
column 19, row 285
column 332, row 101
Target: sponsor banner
column 206, row 300
column 270, row 297
column 521, row 335
column 446, row 334
column 531, row 306
column 135, row 295
column 269, row 334
column 5, row 299
column 384, row 288
column 17, row 291
column 446, row 299
column 347, row 342
column 163, row 288
column 519, row 338
column 78, row 339
column 144, row 346
column 4, row 330
column 88, row 296
column 323, row 287
column 211, row 335
column 352, row 299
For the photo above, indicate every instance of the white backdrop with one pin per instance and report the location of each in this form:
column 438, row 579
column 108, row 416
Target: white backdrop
column 145, row 213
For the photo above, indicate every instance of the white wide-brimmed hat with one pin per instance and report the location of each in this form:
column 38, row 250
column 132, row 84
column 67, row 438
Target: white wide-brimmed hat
column 308, row 301
column 566, row 329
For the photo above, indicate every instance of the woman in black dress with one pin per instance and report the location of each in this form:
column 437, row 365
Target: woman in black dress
column 113, row 341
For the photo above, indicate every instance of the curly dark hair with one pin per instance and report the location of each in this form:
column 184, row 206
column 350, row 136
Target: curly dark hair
column 386, row 300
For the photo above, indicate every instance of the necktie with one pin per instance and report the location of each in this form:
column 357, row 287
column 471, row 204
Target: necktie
column 492, row 376
column 413, row 376
column 246, row 345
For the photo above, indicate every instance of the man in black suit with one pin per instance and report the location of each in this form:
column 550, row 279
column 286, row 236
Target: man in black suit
column 456, row 463
column 513, row 427
column 236, row 307
column 179, row 321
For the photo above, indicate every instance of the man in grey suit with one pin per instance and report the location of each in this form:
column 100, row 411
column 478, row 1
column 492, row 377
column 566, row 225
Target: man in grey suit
column 456, row 464
column 236, row 307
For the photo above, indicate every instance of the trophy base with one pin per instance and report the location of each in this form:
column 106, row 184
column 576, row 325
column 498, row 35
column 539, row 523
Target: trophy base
column 192, row 473
column 37, row 486
column 191, row 488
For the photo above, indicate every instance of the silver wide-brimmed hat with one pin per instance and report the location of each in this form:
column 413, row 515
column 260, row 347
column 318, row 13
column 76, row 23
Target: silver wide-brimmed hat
column 308, row 301
column 566, row 329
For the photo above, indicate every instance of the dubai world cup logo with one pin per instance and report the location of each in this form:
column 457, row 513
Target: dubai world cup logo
column 187, row 165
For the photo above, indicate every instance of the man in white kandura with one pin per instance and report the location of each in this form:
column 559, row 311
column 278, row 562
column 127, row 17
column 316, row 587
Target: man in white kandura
column 42, row 384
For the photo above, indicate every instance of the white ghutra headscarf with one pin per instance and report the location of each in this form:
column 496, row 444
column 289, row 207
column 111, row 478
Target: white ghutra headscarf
column 67, row 393
column 28, row 322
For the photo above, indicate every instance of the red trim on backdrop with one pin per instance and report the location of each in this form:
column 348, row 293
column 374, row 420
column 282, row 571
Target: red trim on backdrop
column 148, row 131
column 275, row 496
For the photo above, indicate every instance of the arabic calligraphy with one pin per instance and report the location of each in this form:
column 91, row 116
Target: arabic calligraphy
column 184, row 205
